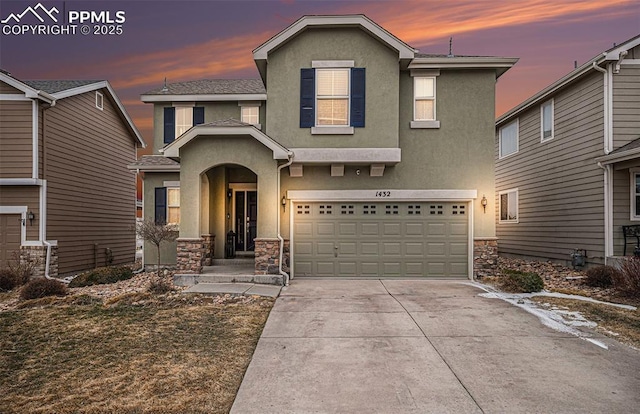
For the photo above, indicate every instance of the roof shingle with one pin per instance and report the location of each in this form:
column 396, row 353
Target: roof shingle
column 212, row 87
column 55, row 86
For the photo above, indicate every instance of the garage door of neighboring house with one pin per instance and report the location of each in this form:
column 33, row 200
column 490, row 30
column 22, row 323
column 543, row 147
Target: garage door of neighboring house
column 381, row 239
column 10, row 228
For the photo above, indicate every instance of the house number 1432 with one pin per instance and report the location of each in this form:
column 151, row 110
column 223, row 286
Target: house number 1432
column 383, row 193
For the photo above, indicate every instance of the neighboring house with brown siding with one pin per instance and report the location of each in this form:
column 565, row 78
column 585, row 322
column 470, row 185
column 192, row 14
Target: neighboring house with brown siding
column 67, row 198
column 568, row 163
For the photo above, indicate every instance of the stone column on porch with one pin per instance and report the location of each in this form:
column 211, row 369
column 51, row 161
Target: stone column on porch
column 485, row 256
column 190, row 255
column 209, row 241
column 267, row 259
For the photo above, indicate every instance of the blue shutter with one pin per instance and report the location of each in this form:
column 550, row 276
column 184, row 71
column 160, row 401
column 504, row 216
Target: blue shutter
column 357, row 97
column 160, row 213
column 307, row 97
column 198, row 115
column 169, row 125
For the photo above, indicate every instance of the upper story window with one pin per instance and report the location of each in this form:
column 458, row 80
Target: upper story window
column 250, row 114
column 184, row 119
column 99, row 101
column 332, row 97
column 546, row 121
column 508, row 137
column 424, row 98
column 178, row 119
column 424, row 92
column 509, row 206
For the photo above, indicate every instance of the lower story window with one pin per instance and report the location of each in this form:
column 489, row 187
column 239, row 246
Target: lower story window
column 635, row 195
column 509, row 206
column 173, row 205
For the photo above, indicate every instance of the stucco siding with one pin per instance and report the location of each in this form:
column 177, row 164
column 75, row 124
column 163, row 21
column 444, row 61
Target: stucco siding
column 91, row 193
column 16, row 139
column 28, row 196
column 283, row 83
column 626, row 105
column 167, row 250
column 560, row 186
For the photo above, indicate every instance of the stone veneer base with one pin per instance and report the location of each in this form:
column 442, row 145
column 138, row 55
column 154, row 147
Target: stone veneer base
column 267, row 259
column 190, row 255
column 485, row 256
column 37, row 256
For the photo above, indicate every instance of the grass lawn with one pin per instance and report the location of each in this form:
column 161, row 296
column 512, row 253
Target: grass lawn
column 621, row 324
column 137, row 353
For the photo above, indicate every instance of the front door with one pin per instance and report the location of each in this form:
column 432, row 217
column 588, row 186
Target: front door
column 246, row 215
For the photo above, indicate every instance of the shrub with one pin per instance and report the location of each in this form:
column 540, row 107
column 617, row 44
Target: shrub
column 601, row 276
column 101, row 276
column 160, row 286
column 521, row 282
column 627, row 279
column 42, row 287
column 17, row 273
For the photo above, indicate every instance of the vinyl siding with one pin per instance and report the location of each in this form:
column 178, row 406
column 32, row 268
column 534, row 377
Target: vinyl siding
column 29, row 196
column 626, row 105
column 15, row 139
column 91, row 194
column 560, row 186
column 8, row 89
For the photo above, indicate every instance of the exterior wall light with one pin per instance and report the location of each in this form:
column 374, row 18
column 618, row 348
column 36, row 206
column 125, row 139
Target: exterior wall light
column 31, row 217
column 284, row 203
column 484, row 203
column 229, row 193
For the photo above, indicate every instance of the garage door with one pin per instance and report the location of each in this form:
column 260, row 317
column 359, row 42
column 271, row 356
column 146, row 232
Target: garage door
column 9, row 236
column 427, row 239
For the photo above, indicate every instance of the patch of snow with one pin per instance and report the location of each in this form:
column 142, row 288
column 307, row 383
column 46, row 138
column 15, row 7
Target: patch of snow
column 561, row 321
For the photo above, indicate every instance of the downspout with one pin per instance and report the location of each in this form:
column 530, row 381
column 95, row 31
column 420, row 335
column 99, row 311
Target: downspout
column 608, row 139
column 285, row 276
column 608, row 144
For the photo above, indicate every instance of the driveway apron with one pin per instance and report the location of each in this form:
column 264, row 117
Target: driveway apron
column 383, row 346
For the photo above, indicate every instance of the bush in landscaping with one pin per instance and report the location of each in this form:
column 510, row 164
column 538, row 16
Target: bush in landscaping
column 601, row 276
column 42, row 287
column 160, row 286
column 627, row 279
column 17, row 273
column 521, row 282
column 101, row 276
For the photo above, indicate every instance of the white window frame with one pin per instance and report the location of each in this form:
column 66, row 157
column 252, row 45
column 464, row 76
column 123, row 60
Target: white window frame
column 550, row 102
column 425, row 123
column 417, row 98
column 169, row 206
column 517, row 201
column 334, row 97
column 633, row 172
column 99, row 101
column 186, row 125
column 517, row 126
column 251, row 105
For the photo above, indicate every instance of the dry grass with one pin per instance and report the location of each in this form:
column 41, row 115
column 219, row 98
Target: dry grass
column 618, row 323
column 136, row 354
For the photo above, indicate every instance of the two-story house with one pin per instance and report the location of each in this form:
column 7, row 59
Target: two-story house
column 67, row 199
column 568, row 163
column 353, row 153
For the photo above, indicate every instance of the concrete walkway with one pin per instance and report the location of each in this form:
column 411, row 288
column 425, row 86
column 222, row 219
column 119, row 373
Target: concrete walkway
column 426, row 347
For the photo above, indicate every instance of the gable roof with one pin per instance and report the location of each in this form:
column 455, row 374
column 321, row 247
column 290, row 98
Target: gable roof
column 50, row 91
column 209, row 90
column 226, row 127
column 616, row 53
column 261, row 53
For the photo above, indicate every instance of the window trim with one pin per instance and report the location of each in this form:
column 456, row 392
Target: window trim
column 172, row 186
column 425, row 123
column 417, row 98
column 553, row 129
column 633, row 172
column 517, row 124
column 178, row 107
column 243, row 105
column 328, row 128
column 509, row 221
column 99, row 101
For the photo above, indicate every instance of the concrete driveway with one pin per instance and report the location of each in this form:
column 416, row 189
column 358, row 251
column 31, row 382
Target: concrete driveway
column 372, row 346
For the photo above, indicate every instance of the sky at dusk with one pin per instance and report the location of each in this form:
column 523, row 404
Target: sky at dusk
column 187, row 40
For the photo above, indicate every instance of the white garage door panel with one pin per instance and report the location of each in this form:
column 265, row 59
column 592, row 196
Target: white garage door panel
column 428, row 239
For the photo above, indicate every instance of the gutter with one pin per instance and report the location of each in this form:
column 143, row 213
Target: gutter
column 285, row 276
column 608, row 219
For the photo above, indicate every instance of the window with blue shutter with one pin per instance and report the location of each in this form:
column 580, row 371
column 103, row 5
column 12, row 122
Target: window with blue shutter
column 357, row 97
column 169, row 125
column 160, row 212
column 307, row 97
column 198, row 115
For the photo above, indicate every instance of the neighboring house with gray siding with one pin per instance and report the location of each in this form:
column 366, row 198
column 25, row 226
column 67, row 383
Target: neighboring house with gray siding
column 353, row 155
column 568, row 163
column 67, row 199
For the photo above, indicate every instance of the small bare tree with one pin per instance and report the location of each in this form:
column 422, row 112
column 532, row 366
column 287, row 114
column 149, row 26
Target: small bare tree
column 157, row 234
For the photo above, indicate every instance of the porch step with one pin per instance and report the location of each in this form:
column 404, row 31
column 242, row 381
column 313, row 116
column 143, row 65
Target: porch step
column 233, row 262
column 191, row 279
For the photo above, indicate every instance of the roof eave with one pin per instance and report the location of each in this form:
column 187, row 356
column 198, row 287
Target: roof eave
column 29, row 92
column 619, row 157
column 500, row 65
column 151, row 98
